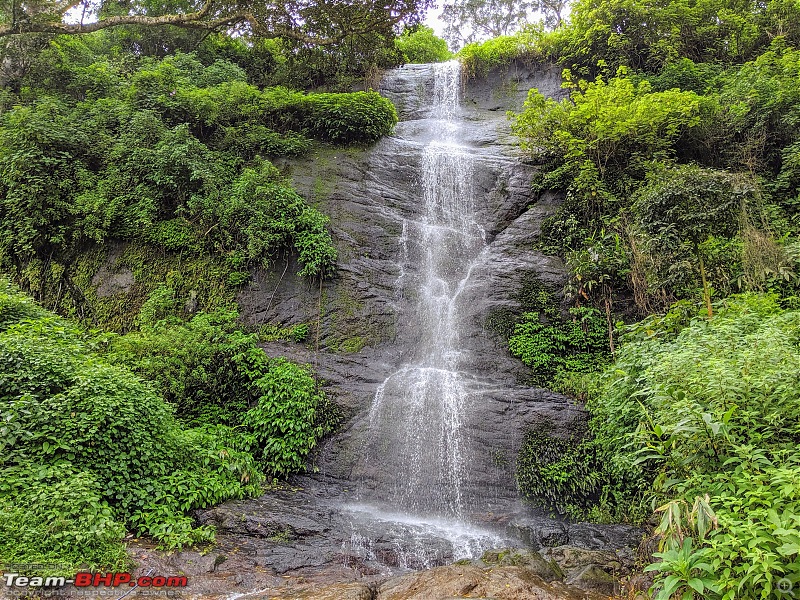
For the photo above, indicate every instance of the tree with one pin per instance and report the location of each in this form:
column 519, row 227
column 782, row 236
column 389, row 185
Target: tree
column 685, row 205
column 552, row 11
column 649, row 35
column 319, row 22
column 469, row 20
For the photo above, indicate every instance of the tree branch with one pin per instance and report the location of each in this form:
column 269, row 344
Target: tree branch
column 279, row 21
column 195, row 20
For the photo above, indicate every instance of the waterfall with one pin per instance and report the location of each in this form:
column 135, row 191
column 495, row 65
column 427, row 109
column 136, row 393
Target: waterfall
column 416, row 419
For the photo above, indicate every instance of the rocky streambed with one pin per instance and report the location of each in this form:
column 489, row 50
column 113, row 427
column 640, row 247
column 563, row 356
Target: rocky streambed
column 290, row 543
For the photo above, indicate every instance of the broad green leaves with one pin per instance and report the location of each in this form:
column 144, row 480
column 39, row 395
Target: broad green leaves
column 287, row 420
column 606, row 124
column 705, row 422
column 94, row 448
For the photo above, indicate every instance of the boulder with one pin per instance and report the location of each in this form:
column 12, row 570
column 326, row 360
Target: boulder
column 340, row 591
column 594, row 579
column 531, row 560
column 500, row 583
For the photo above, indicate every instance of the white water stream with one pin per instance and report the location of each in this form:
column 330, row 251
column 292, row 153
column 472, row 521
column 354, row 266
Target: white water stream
column 416, row 420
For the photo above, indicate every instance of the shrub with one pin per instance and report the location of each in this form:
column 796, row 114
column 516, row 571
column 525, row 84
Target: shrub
column 422, row 46
column 289, row 418
column 213, row 373
column 65, row 410
column 251, row 140
column 56, row 514
column 556, row 346
column 561, row 473
column 205, row 367
column 479, row 58
column 261, row 216
column 696, row 408
column 347, row 118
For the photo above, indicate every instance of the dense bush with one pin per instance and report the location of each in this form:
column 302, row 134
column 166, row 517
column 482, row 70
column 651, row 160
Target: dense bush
column 561, row 474
column 422, row 46
column 166, row 152
column 213, row 373
column 289, row 418
column 555, row 346
column 603, row 138
column 610, row 33
column 348, row 118
column 147, row 182
column 89, row 447
column 553, row 343
column 616, row 147
column 259, row 216
column 478, row 58
column 53, row 514
column 205, row 367
column 683, row 210
column 705, row 422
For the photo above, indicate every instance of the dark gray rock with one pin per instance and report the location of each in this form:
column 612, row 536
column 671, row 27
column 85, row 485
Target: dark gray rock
column 364, row 325
column 111, row 278
column 539, row 532
column 591, row 535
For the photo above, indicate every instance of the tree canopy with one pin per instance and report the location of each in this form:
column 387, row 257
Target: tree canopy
column 321, row 22
column 469, row 20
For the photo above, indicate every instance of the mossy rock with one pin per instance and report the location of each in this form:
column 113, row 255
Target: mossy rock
column 531, row 560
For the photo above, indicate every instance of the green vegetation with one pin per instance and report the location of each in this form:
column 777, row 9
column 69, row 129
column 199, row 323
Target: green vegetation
column 78, row 450
column 478, row 58
column 153, row 25
column 467, row 21
column 138, row 193
column 289, row 417
column 702, row 421
column 422, row 46
column 89, row 450
column 150, row 153
column 170, row 152
column 676, row 153
column 556, row 344
column 611, row 33
column 575, row 344
column 560, row 473
column 173, row 150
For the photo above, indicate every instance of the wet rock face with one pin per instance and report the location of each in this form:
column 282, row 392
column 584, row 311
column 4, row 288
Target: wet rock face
column 365, row 325
column 366, row 316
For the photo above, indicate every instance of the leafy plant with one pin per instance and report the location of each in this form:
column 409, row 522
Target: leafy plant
column 687, row 205
column 560, row 473
column 579, row 343
column 701, row 418
column 478, row 58
column 67, row 414
column 289, row 418
column 688, row 573
column 422, row 46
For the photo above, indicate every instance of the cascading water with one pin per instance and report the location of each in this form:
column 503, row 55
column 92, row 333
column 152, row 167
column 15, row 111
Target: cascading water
column 416, row 428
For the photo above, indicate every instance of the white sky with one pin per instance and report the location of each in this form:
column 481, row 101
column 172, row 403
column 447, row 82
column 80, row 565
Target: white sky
column 432, row 20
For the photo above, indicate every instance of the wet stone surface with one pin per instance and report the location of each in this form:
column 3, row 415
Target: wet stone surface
column 340, row 533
